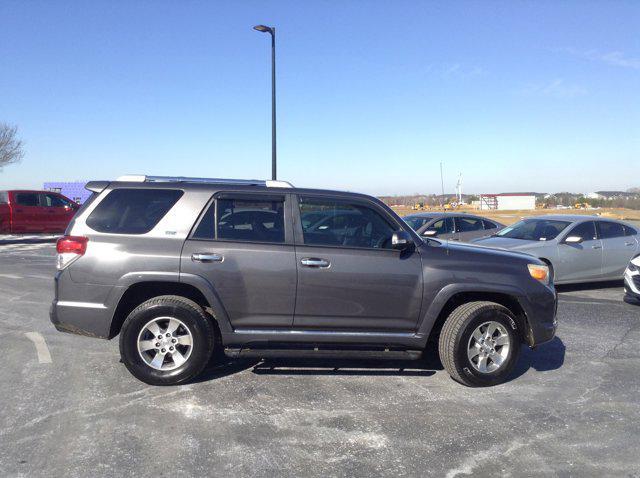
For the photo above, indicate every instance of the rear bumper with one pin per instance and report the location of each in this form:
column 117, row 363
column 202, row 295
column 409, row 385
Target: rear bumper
column 70, row 314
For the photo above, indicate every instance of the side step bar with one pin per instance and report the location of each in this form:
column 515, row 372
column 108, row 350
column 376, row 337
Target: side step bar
column 316, row 352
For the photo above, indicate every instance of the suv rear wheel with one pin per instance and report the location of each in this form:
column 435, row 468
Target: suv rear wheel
column 479, row 344
column 166, row 340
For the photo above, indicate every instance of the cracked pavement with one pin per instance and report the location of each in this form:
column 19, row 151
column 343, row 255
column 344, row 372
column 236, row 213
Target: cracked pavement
column 571, row 409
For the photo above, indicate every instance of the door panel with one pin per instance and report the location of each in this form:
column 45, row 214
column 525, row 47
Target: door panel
column 617, row 249
column 348, row 275
column 58, row 212
column 26, row 212
column 581, row 261
column 243, row 246
column 256, row 283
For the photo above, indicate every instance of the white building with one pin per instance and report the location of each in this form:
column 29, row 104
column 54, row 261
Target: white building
column 511, row 202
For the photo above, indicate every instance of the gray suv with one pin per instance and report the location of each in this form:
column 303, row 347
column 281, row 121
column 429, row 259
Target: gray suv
column 182, row 267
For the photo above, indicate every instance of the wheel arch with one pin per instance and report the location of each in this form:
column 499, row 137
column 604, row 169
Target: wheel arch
column 444, row 305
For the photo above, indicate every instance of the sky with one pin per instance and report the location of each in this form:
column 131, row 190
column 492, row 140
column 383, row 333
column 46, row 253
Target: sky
column 371, row 95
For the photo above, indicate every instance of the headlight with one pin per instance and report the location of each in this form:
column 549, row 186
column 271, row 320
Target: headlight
column 632, row 267
column 539, row 272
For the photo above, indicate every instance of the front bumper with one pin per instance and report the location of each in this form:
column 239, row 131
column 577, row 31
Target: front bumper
column 632, row 285
column 541, row 309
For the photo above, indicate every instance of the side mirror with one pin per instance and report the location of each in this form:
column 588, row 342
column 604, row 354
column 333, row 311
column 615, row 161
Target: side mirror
column 573, row 240
column 430, row 232
column 401, row 240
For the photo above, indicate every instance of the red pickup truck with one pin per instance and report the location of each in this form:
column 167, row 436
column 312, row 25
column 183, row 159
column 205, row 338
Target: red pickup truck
column 35, row 211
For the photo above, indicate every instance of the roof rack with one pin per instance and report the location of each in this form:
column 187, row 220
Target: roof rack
column 137, row 178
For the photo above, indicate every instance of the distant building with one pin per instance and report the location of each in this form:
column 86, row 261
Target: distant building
column 508, row 201
column 73, row 190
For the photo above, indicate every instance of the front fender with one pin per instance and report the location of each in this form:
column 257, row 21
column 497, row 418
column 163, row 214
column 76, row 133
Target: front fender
column 432, row 313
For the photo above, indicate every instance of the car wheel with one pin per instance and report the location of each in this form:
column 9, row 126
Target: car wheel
column 479, row 344
column 166, row 340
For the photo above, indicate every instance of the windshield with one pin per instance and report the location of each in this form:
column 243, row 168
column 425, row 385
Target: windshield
column 534, row 229
column 416, row 222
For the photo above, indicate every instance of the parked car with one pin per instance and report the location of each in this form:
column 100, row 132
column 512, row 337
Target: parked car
column 452, row 226
column 632, row 280
column 576, row 248
column 35, row 211
column 179, row 267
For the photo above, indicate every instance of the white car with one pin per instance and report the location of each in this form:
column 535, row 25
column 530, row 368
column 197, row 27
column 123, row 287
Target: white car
column 632, row 280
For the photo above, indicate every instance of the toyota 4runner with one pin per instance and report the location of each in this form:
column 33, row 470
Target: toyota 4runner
column 178, row 267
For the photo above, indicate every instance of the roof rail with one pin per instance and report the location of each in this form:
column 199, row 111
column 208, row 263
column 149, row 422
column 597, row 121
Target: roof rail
column 137, row 178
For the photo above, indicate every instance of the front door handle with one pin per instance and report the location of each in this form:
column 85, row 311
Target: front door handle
column 596, row 247
column 206, row 257
column 629, row 244
column 315, row 262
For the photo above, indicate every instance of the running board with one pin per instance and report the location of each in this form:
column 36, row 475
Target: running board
column 317, row 352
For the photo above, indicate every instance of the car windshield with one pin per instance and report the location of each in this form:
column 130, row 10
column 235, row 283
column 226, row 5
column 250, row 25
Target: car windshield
column 534, row 229
column 416, row 222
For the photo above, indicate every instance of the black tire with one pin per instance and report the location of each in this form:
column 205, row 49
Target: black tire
column 455, row 337
column 192, row 315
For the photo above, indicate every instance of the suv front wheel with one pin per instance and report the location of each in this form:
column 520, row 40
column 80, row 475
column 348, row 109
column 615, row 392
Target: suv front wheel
column 166, row 340
column 479, row 344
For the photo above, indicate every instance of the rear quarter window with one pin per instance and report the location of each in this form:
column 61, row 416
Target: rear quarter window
column 132, row 211
column 4, row 197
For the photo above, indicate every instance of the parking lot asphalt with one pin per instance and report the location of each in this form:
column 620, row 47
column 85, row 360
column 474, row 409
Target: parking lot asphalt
column 69, row 408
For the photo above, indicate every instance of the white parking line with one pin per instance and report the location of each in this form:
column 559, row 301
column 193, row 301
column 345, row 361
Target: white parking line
column 41, row 346
column 10, row 276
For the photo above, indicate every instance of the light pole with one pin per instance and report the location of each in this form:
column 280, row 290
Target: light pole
column 272, row 32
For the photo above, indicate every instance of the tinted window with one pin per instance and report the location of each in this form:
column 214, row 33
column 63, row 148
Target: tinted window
column 132, row 211
column 586, row 230
column 342, row 223
column 629, row 231
column 489, row 224
column 26, row 199
column 442, row 226
column 534, row 229
column 416, row 222
column 244, row 219
column 466, row 224
column 51, row 200
column 608, row 230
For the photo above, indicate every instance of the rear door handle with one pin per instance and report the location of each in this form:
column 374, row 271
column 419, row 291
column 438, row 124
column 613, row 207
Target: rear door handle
column 629, row 244
column 315, row 262
column 596, row 247
column 206, row 257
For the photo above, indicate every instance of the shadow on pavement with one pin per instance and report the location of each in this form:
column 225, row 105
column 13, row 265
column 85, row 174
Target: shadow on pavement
column 546, row 357
column 612, row 284
column 549, row 356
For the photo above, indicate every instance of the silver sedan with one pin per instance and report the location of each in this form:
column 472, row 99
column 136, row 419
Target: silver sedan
column 577, row 248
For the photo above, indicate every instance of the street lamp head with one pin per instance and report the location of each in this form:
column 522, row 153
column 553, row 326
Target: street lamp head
column 263, row 29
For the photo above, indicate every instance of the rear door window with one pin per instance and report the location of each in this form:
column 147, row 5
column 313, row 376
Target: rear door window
column 489, row 224
column 628, row 231
column 27, row 199
column 259, row 219
column 468, row 224
column 132, row 211
column 609, row 230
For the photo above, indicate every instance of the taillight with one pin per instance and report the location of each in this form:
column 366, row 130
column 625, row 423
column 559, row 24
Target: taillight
column 69, row 249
